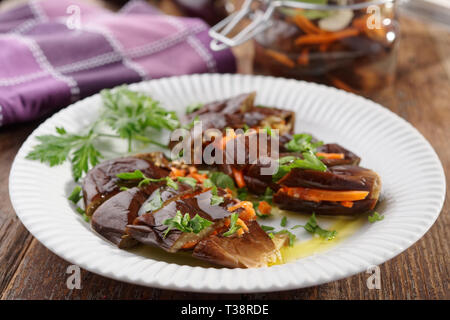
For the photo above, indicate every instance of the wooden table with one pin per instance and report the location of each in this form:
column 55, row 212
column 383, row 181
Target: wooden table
column 421, row 95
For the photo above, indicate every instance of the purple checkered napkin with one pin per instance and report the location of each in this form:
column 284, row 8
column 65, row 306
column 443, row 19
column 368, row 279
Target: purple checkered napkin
column 57, row 51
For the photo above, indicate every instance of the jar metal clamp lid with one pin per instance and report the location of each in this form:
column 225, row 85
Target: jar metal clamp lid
column 260, row 19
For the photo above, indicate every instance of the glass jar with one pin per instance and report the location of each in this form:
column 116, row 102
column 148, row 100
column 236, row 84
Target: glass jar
column 347, row 44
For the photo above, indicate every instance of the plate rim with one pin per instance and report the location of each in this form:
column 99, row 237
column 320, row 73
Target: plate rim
column 15, row 198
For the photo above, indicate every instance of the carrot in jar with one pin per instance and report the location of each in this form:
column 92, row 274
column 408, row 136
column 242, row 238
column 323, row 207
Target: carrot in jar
column 281, row 58
column 306, row 25
column 326, row 37
column 303, row 58
column 341, row 84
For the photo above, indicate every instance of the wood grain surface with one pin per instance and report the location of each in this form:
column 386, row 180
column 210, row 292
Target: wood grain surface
column 421, row 95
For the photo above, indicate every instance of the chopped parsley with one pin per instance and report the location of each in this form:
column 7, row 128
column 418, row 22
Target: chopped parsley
column 312, row 227
column 233, row 226
column 185, row 223
column 155, row 203
column 188, row 180
column 375, row 217
column 76, row 195
column 144, row 180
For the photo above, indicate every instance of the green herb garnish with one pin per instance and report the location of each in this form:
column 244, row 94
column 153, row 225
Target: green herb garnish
column 155, row 203
column 267, row 228
column 283, row 222
column 267, row 196
column 76, row 195
column 292, row 237
column 309, row 161
column 188, row 180
column 144, row 180
column 215, row 198
column 185, row 223
column 233, row 226
column 222, row 180
column 128, row 113
column 242, row 194
column 375, row 217
column 83, row 214
column 312, row 227
column 302, row 143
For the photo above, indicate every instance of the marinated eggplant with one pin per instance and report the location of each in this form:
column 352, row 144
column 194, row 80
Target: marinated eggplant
column 112, row 217
column 150, row 229
column 341, row 190
column 146, row 199
column 101, row 182
column 254, row 249
column 239, row 112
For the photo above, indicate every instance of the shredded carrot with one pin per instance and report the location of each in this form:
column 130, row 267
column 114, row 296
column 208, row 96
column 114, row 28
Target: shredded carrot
column 189, row 244
column 214, row 233
column 360, row 23
column 241, row 223
column 303, row 58
column 228, row 137
column 347, row 204
column 306, row 25
column 330, row 155
column 264, row 208
column 324, row 47
column 248, row 213
column 326, row 37
column 177, row 172
column 238, row 177
column 192, row 169
column 199, row 177
column 318, row 195
column 281, row 58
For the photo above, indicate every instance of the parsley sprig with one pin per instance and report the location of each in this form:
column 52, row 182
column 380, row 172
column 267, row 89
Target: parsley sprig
column 185, row 223
column 312, row 227
column 302, row 142
column 128, row 113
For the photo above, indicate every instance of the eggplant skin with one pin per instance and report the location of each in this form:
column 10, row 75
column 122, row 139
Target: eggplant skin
column 286, row 202
column 349, row 157
column 254, row 249
column 344, row 177
column 101, row 182
column 221, row 114
column 112, row 217
column 149, row 228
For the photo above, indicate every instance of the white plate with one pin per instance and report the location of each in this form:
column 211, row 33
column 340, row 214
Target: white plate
column 412, row 175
